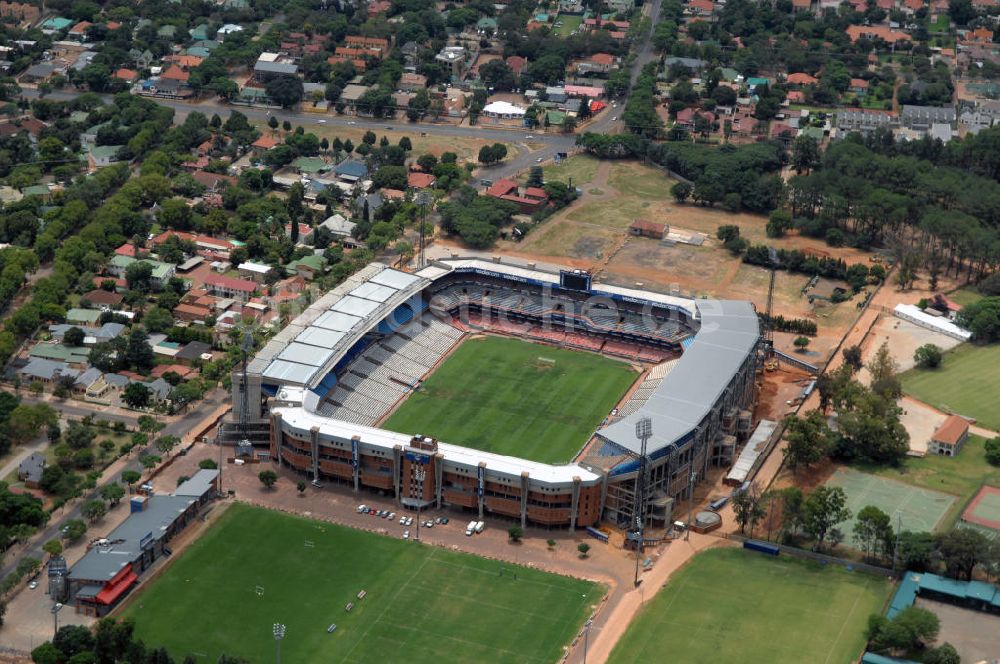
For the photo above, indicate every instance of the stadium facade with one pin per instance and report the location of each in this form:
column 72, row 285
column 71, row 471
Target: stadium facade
column 323, row 383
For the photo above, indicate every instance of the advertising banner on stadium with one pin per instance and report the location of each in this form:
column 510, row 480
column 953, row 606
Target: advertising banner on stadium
column 481, row 477
column 354, row 454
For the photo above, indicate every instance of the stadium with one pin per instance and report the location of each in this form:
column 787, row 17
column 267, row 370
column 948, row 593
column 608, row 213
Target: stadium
column 315, row 398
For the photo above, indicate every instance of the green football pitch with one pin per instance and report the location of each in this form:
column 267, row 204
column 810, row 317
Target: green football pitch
column 966, row 383
column 423, row 604
column 516, row 398
column 730, row 606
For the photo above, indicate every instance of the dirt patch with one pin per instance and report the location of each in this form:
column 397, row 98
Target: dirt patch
column 588, row 247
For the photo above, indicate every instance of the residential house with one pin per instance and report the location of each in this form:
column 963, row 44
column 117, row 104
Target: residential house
column 858, row 86
column 647, row 228
column 598, row 63
column 104, row 155
column 503, row 110
column 45, row 371
column 922, row 117
column 214, row 182
column 351, row 171
column 193, row 352
column 802, row 79
column 455, row 58
column 264, row 143
column 237, row 289
column 87, row 380
column 339, row 226
column 161, row 272
column 22, row 12
column 412, row 82
column 127, row 75
column 865, row 120
column 307, row 267
column 30, row 470
column 876, row 32
column 532, row 200
column 417, row 180
column 71, row 355
column 256, row 272
column 268, row 66
column 82, row 316
column 948, row 439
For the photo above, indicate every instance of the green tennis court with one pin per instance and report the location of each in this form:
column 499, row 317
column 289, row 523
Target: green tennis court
column 920, row 509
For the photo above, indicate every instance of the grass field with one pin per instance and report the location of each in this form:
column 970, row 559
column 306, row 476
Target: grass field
column 581, row 168
column 499, row 395
column 965, row 296
column 960, row 475
column 569, row 24
column 423, row 604
column 966, row 383
column 733, row 606
column 920, row 509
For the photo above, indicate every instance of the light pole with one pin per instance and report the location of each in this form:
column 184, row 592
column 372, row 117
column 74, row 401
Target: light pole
column 419, row 474
column 423, row 200
column 643, row 431
column 586, row 637
column 279, row 634
column 687, row 531
column 56, row 608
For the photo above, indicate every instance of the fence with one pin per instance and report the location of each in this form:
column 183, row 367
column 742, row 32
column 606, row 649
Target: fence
column 821, row 557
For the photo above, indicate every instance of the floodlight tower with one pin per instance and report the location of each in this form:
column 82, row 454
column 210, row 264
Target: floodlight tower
column 246, row 345
column 643, row 431
column 279, row 633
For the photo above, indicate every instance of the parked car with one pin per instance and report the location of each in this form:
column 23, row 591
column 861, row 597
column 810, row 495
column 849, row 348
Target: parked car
column 402, row 520
column 362, row 508
column 33, row 585
column 406, row 534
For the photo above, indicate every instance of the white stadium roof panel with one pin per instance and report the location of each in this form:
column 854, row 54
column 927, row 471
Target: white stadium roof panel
column 374, row 292
column 320, row 337
column 291, row 372
column 394, row 279
column 355, row 306
column 304, row 354
column 337, row 321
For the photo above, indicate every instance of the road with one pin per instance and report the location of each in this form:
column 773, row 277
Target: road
column 77, row 410
column 178, row 427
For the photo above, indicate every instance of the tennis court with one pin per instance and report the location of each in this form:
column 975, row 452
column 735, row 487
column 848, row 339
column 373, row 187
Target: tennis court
column 984, row 510
column 920, row 509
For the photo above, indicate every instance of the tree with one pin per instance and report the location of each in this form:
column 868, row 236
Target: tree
column 93, row 510
column 852, row 357
column 748, row 508
column 911, row 628
column 53, row 547
column 583, row 548
column 136, row 395
column 943, row 654
column 993, row 451
column 873, row 532
column 681, row 191
column 47, row 654
column 139, row 276
column 805, row 154
column 551, row 543
column 808, row 440
column 301, row 486
column 73, row 530
column 915, row 551
column 778, row 223
column 824, row 508
column 800, row 343
column 267, row 478
column 928, row 356
column 515, row 533
column 883, row 371
column 73, row 337
column 536, row 177
column 960, row 550
column 72, row 640
column 113, row 493
column 138, row 352
column 285, row 90
column 130, row 477
column 79, row 436
column 208, row 464
column 406, row 143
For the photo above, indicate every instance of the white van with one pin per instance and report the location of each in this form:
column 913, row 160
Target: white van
column 480, row 525
column 471, row 528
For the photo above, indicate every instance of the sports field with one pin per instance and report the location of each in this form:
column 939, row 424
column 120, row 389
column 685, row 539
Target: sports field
column 516, row 398
column 966, row 383
column 734, row 606
column 920, row 509
column 423, row 603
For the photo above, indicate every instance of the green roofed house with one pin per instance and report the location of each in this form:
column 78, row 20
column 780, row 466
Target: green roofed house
column 487, row 23
column 198, row 52
column 310, row 164
column 754, row 81
column 199, row 33
column 812, row 132
column 86, row 316
column 167, row 31
column 729, row 75
column 250, row 96
column 36, row 190
column 79, row 116
column 555, row 118
column 161, row 271
column 60, row 352
column 57, row 23
column 307, row 267
column 207, row 44
column 104, row 155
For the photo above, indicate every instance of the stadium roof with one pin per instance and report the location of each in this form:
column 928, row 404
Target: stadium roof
column 300, row 418
column 729, row 334
column 310, row 346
